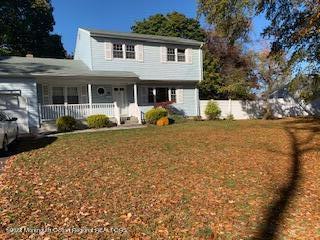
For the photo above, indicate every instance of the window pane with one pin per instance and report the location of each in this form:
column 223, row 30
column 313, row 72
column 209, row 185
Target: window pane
column 181, row 55
column 150, row 95
column 171, row 56
column 73, row 97
column 162, row 95
column 57, row 95
column 130, row 53
column 117, row 51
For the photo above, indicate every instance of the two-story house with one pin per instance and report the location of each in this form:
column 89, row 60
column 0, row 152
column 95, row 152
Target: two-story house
column 121, row 75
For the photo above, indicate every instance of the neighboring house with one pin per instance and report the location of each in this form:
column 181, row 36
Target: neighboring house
column 121, row 75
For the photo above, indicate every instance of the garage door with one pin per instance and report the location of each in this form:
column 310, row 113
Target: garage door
column 15, row 105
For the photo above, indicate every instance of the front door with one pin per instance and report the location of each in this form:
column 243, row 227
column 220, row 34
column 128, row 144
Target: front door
column 120, row 97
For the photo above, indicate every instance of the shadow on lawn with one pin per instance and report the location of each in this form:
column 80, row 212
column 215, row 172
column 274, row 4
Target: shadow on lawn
column 25, row 144
column 276, row 211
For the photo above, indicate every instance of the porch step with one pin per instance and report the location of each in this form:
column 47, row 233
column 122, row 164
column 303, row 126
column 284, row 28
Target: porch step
column 131, row 121
column 48, row 126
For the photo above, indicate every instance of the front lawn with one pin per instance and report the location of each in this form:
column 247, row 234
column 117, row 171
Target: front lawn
column 229, row 180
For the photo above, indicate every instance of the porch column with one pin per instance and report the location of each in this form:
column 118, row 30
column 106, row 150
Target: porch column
column 135, row 94
column 90, row 97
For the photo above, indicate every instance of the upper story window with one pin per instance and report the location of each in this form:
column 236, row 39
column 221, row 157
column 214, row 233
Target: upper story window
column 117, row 51
column 181, row 55
column 171, row 55
column 130, row 52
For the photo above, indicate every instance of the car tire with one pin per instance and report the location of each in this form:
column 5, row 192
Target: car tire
column 5, row 144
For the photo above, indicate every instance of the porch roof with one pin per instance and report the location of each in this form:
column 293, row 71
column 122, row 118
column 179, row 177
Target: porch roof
column 44, row 67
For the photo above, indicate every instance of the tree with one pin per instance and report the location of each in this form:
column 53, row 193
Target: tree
column 230, row 19
column 273, row 74
column 228, row 73
column 173, row 24
column 25, row 28
column 295, row 28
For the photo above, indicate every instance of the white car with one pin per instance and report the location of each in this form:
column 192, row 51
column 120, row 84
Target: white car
column 8, row 131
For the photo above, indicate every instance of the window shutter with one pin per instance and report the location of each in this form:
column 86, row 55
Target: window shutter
column 84, row 94
column 139, row 53
column 108, row 50
column 163, row 54
column 144, row 95
column 189, row 55
column 179, row 93
column 45, row 94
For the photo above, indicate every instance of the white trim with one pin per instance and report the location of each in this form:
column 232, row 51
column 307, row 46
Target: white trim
column 135, row 93
column 90, row 97
column 201, row 64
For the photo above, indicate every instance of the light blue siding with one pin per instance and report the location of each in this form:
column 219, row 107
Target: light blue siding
column 83, row 48
column 28, row 90
column 151, row 68
column 189, row 105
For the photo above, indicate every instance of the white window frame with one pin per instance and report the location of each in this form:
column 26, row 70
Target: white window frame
column 184, row 55
column 131, row 51
column 116, row 45
column 172, row 54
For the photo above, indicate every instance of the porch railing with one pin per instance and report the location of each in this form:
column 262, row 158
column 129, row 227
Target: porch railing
column 78, row 111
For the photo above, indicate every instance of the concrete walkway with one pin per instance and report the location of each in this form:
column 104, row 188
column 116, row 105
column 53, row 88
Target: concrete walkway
column 98, row 130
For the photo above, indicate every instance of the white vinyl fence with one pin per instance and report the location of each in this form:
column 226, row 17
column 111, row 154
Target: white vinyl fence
column 254, row 109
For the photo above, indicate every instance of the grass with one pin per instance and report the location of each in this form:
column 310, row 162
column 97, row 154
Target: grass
column 193, row 180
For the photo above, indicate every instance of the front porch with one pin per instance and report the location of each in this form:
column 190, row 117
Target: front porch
column 81, row 100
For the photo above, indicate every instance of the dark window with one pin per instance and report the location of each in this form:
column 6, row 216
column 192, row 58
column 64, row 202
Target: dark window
column 130, row 53
column 181, row 55
column 171, row 55
column 117, row 51
column 72, row 95
column 57, row 95
column 162, row 95
column 150, row 95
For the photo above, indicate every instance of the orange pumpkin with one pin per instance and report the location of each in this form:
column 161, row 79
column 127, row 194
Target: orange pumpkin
column 164, row 121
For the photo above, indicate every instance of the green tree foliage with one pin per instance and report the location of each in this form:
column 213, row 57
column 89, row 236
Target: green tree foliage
column 173, row 24
column 228, row 73
column 230, row 19
column 295, row 28
column 25, row 28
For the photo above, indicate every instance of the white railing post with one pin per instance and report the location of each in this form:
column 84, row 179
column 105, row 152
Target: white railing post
column 137, row 109
column 117, row 113
column 90, row 98
column 66, row 113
